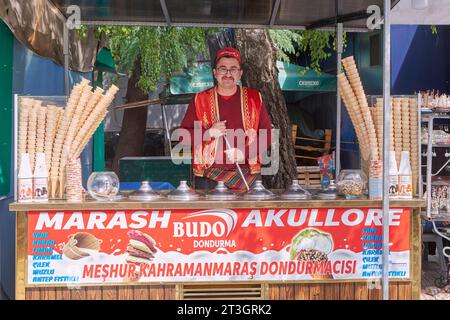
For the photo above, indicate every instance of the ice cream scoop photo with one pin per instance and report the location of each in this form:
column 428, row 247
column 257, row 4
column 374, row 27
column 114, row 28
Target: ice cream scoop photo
column 141, row 247
column 312, row 245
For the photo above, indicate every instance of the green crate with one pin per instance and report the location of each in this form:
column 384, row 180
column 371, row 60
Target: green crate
column 155, row 169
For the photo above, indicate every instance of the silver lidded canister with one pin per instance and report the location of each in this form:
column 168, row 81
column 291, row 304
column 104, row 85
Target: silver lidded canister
column 295, row 192
column 329, row 193
column 221, row 192
column 258, row 192
column 145, row 193
column 183, row 193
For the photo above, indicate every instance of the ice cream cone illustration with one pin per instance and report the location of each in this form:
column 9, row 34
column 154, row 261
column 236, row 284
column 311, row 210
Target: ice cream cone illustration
column 311, row 245
column 78, row 244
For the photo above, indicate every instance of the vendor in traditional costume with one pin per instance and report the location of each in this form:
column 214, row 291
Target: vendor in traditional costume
column 220, row 109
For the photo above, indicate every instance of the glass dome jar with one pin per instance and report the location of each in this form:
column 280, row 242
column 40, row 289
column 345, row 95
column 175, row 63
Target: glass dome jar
column 352, row 184
column 103, row 185
column 439, row 196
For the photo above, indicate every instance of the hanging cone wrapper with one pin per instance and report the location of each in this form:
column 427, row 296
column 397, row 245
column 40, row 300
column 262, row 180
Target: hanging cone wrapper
column 74, row 187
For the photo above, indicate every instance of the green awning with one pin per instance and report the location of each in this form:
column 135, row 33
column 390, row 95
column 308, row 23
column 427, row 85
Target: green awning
column 291, row 78
column 297, row 78
column 198, row 79
column 105, row 61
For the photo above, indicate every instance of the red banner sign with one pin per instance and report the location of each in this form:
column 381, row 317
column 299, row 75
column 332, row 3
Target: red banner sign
column 214, row 245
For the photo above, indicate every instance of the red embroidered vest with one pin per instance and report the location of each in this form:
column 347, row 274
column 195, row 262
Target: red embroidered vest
column 207, row 109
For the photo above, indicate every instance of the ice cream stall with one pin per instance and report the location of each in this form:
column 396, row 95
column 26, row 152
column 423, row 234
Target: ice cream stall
column 356, row 238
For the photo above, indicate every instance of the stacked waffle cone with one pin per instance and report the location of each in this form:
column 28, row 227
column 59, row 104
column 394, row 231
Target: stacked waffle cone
column 351, row 104
column 397, row 121
column 368, row 122
column 50, row 132
column 62, row 133
column 352, row 92
column 406, row 124
column 404, row 130
column 356, row 84
column 41, row 124
column 75, row 114
column 24, row 115
column 414, row 137
column 377, row 115
column 32, row 132
column 94, row 120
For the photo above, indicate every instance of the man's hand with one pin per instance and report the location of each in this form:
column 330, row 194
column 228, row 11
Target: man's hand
column 217, row 130
column 235, row 155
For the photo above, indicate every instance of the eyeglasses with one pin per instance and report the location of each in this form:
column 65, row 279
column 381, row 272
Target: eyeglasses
column 224, row 71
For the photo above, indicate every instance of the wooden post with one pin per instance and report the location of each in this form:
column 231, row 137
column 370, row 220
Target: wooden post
column 21, row 249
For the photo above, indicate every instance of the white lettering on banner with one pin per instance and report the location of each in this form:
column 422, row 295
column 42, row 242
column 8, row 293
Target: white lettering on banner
column 164, row 220
column 214, row 243
column 44, row 221
column 374, row 216
column 119, row 220
column 346, row 217
column 76, row 221
column 301, row 220
column 228, row 220
column 178, row 230
column 228, row 216
column 313, row 218
column 216, row 227
column 254, row 217
column 198, row 229
column 394, row 214
column 329, row 220
column 96, row 220
column 310, row 218
column 139, row 218
column 272, row 217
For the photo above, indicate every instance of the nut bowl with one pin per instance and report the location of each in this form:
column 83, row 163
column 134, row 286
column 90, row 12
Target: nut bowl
column 352, row 184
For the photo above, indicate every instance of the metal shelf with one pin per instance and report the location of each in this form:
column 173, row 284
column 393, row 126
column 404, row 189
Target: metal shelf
column 429, row 119
column 436, row 218
column 437, row 145
column 426, row 118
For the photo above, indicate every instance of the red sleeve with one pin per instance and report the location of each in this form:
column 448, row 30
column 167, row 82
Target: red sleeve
column 188, row 120
column 264, row 124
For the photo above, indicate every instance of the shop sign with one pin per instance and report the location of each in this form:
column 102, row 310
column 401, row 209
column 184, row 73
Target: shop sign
column 173, row 245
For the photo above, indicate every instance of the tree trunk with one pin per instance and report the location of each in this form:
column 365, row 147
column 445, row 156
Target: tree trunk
column 259, row 58
column 134, row 123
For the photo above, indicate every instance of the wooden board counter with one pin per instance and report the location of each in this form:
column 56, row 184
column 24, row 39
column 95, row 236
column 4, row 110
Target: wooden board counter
column 212, row 249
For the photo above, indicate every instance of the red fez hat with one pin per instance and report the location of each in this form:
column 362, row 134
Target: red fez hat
column 229, row 53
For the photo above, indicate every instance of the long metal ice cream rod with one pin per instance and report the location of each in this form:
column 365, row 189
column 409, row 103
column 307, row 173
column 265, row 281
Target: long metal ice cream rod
column 237, row 164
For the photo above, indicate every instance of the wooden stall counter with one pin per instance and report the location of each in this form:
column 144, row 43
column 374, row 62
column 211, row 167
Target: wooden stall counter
column 275, row 249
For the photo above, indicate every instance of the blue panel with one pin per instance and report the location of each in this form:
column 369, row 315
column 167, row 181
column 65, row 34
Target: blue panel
column 34, row 75
column 419, row 59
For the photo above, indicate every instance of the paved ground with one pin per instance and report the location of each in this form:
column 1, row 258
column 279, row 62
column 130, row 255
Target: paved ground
column 433, row 283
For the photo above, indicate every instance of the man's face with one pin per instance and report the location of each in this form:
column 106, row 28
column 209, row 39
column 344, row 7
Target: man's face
column 227, row 72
